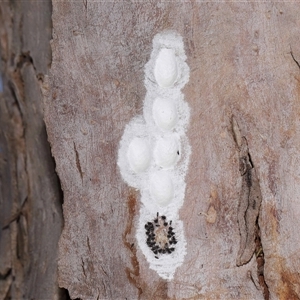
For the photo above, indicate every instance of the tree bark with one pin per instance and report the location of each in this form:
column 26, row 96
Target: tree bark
column 30, row 196
column 243, row 63
column 241, row 208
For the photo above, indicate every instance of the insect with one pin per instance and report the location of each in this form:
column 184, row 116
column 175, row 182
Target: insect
column 160, row 236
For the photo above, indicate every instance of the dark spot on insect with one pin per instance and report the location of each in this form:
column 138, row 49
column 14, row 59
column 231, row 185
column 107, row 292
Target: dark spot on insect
column 173, row 240
column 160, row 235
column 132, row 246
column 156, row 257
column 178, row 152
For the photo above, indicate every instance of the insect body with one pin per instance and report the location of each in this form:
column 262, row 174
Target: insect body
column 160, row 236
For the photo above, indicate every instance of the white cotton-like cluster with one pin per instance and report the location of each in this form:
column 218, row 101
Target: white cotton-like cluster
column 154, row 149
column 139, row 154
column 164, row 113
column 166, row 151
column 161, row 187
column 165, row 69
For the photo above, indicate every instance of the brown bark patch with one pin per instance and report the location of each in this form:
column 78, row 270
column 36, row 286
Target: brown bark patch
column 134, row 273
column 290, row 289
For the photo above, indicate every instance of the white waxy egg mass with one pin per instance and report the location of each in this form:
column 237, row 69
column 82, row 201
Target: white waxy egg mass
column 154, row 154
column 161, row 187
column 165, row 69
column 164, row 113
column 139, row 155
column 166, row 152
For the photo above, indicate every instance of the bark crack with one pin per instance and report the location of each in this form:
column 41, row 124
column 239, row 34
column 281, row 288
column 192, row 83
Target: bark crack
column 85, row 4
column 249, row 210
column 83, row 268
column 260, row 260
column 24, row 58
column 104, row 271
column 88, row 243
column 294, row 59
column 15, row 215
column 6, row 274
column 78, row 165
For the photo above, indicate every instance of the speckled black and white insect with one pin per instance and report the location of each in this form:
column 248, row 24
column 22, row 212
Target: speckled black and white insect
column 160, row 236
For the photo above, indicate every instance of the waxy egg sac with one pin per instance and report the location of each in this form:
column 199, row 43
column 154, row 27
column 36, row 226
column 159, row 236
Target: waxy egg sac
column 165, row 69
column 161, row 188
column 139, row 155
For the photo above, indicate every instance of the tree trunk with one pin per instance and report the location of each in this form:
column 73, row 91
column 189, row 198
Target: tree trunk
column 30, row 197
column 238, row 223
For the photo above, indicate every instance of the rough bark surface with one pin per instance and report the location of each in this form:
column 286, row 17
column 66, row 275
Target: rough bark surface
column 244, row 62
column 30, row 197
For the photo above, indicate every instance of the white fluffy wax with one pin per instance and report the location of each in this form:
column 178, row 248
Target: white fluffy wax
column 139, row 155
column 148, row 157
column 165, row 69
column 164, row 113
column 161, row 187
column 166, row 151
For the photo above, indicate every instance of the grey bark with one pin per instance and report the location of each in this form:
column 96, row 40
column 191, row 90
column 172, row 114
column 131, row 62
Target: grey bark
column 241, row 65
column 244, row 61
column 30, row 195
